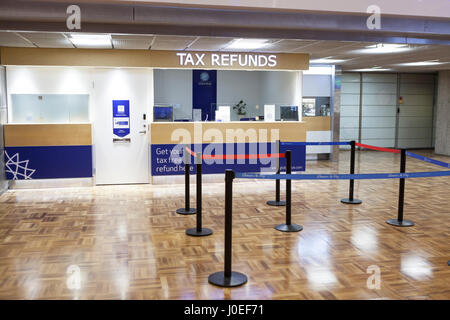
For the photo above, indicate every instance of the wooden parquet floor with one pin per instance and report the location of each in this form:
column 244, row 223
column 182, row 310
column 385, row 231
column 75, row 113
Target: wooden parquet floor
column 127, row 242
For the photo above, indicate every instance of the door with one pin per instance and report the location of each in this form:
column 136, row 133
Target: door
column 125, row 160
column 415, row 112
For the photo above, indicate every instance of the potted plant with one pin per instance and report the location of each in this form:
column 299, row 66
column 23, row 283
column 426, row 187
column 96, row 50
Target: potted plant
column 240, row 108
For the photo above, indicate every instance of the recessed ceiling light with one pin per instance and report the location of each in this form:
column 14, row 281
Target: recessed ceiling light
column 421, row 63
column 247, row 44
column 90, row 40
column 384, row 48
column 327, row 61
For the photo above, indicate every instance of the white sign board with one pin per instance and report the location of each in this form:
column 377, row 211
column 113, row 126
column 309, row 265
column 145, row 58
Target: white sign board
column 269, row 112
column 223, row 114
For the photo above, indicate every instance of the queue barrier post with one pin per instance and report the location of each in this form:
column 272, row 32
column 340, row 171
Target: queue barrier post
column 400, row 222
column 351, row 199
column 187, row 210
column 228, row 278
column 288, row 226
column 277, row 202
column 198, row 231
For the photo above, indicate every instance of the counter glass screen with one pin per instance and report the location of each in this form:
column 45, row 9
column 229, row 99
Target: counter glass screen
column 289, row 113
column 162, row 114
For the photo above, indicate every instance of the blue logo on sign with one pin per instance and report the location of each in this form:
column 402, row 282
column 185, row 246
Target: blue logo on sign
column 204, row 76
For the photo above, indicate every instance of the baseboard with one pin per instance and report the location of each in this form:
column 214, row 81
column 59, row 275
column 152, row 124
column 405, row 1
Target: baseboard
column 51, row 183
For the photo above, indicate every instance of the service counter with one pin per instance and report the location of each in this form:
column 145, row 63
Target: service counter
column 48, row 151
column 218, row 138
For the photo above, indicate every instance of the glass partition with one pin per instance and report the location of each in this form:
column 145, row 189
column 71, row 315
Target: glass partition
column 49, row 108
column 283, row 112
column 316, row 106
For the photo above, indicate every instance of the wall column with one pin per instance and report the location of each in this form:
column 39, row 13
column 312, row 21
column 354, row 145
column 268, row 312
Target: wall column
column 442, row 145
column 336, row 80
column 3, row 120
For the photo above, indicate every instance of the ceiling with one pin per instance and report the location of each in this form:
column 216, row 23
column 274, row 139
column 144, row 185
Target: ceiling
column 342, row 50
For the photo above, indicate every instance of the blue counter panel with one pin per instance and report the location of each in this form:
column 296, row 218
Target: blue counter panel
column 165, row 164
column 48, row 162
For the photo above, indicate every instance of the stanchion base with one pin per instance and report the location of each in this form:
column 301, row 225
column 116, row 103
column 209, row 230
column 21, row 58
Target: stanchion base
column 348, row 201
column 185, row 212
column 219, row 279
column 194, row 233
column 289, row 227
column 403, row 223
column 276, row 203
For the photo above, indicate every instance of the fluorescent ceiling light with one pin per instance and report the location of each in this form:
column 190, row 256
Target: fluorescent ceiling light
column 421, row 63
column 319, row 70
column 371, row 69
column 248, row 44
column 384, row 48
column 90, row 40
column 327, row 60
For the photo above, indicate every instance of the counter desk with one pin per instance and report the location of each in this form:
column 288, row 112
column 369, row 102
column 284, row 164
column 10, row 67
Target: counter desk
column 232, row 138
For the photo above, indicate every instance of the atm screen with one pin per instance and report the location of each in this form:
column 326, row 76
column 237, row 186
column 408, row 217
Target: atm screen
column 162, row 114
column 289, row 113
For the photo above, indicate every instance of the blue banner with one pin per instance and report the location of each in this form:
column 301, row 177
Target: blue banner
column 425, row 159
column 168, row 160
column 364, row 176
column 48, row 162
column 204, row 92
column 314, row 143
column 121, row 117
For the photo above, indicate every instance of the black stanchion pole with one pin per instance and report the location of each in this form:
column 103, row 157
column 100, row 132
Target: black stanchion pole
column 277, row 202
column 400, row 222
column 199, row 231
column 288, row 226
column 351, row 199
column 228, row 278
column 187, row 210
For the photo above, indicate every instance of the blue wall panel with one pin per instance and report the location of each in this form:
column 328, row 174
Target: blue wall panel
column 48, row 162
column 204, row 92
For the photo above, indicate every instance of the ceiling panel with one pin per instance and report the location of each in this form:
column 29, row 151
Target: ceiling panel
column 288, row 45
column 171, row 42
column 11, row 39
column 132, row 41
column 210, row 44
column 47, row 39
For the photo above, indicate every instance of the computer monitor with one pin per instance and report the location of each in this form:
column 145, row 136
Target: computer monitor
column 289, row 113
column 162, row 114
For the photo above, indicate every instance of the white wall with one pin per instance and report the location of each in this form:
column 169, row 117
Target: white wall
column 174, row 86
column 316, row 85
column 232, row 86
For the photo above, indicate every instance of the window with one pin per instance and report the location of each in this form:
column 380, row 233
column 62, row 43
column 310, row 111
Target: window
column 49, row 108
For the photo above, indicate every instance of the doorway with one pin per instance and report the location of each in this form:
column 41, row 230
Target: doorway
column 121, row 145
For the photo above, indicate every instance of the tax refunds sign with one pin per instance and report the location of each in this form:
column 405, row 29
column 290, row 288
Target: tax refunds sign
column 247, row 60
column 230, row 60
column 227, row 60
column 155, row 59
